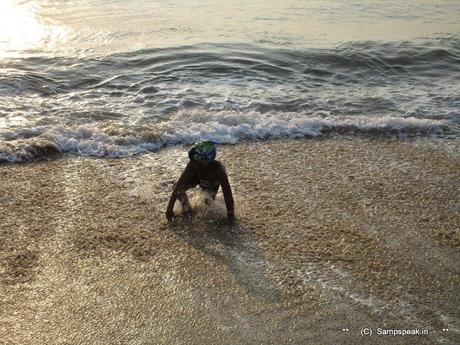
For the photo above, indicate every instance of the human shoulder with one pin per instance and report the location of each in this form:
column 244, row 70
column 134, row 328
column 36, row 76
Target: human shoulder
column 217, row 165
column 219, row 169
column 188, row 167
column 189, row 171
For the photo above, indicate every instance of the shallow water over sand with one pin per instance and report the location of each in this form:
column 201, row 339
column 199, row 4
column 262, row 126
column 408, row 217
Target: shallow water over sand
column 342, row 233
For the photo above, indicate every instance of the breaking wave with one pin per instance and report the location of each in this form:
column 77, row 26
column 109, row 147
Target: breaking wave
column 186, row 127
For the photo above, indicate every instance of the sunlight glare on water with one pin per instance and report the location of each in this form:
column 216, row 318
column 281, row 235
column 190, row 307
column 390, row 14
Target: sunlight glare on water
column 21, row 28
column 103, row 27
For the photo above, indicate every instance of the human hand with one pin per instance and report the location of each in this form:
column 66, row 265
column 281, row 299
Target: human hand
column 230, row 217
column 189, row 213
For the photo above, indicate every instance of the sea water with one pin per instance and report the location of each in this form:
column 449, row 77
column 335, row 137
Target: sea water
column 112, row 78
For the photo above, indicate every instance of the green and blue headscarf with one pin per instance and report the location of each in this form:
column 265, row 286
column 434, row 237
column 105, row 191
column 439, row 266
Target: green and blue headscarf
column 203, row 152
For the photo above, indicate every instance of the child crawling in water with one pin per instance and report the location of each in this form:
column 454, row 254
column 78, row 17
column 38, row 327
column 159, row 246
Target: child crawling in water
column 202, row 170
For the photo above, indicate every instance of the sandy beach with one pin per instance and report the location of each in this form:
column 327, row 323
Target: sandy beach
column 332, row 236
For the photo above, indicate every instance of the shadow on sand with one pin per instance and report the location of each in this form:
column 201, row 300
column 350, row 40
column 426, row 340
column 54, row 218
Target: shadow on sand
column 233, row 245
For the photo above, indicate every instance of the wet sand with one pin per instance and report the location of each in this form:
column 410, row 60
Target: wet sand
column 331, row 234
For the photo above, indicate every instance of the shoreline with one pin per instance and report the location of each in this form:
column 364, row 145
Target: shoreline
column 329, row 231
column 40, row 149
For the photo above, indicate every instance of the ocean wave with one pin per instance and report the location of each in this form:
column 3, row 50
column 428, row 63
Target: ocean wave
column 133, row 69
column 125, row 104
column 186, row 127
column 418, row 78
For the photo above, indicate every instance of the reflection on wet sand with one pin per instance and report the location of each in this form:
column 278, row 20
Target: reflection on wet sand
column 342, row 232
column 232, row 246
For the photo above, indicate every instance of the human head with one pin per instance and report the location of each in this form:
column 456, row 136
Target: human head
column 204, row 152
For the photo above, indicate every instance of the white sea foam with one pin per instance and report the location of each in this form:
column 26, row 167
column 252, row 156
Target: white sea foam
column 186, row 127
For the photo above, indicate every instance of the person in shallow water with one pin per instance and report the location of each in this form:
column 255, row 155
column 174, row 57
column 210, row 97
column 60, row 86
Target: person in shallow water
column 205, row 171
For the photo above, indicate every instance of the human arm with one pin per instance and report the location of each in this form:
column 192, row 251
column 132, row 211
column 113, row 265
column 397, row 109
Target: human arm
column 179, row 188
column 227, row 191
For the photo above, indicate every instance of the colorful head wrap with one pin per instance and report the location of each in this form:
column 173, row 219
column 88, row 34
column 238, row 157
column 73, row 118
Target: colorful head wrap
column 203, row 152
